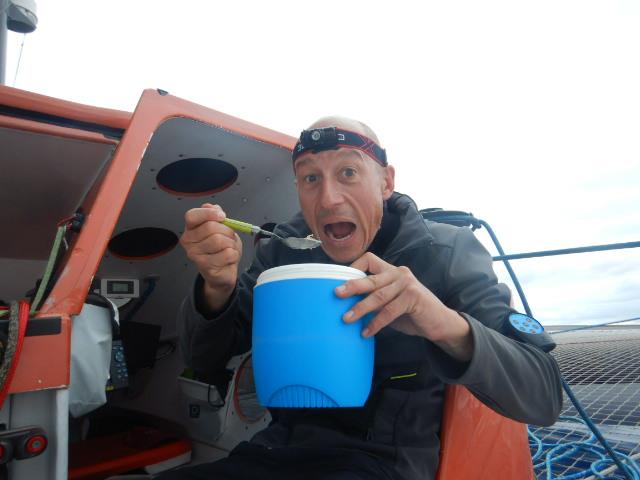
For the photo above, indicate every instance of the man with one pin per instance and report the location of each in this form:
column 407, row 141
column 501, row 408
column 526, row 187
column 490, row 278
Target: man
column 438, row 313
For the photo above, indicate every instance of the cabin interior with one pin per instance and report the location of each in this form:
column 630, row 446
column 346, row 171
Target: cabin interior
column 58, row 171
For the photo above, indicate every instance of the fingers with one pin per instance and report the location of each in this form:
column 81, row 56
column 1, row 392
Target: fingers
column 214, row 263
column 386, row 316
column 390, row 293
column 214, row 248
column 376, row 300
column 384, row 273
column 219, row 249
column 371, row 263
column 368, row 284
column 198, row 216
column 210, row 239
column 203, row 222
column 205, row 230
column 382, row 289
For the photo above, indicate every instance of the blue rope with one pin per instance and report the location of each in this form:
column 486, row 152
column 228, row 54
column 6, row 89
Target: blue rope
column 567, row 251
column 549, row 453
column 597, row 325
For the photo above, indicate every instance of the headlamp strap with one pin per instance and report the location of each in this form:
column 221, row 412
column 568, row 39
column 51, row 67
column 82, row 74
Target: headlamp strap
column 329, row 138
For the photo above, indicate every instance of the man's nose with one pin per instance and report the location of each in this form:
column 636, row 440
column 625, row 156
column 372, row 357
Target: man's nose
column 330, row 195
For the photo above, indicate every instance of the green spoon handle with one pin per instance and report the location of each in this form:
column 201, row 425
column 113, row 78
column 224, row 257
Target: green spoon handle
column 240, row 226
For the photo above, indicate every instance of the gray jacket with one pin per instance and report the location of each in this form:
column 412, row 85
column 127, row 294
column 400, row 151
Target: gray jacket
column 400, row 423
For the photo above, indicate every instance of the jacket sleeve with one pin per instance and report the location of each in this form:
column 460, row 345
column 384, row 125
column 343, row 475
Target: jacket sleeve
column 207, row 344
column 516, row 380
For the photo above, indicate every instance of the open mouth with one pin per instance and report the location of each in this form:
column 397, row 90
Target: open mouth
column 340, row 231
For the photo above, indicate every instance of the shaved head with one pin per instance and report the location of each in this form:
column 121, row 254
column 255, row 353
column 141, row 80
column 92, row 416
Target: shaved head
column 347, row 124
column 342, row 187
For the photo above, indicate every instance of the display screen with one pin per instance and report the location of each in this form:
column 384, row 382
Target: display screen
column 115, row 287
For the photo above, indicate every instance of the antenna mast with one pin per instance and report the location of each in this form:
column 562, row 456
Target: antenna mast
column 17, row 16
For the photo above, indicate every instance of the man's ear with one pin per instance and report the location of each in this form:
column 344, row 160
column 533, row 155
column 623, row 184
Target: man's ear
column 388, row 179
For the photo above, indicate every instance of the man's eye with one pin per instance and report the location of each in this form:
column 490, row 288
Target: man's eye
column 310, row 178
column 349, row 172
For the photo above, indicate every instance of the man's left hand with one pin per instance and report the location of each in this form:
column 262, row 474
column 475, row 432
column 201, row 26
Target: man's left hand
column 403, row 303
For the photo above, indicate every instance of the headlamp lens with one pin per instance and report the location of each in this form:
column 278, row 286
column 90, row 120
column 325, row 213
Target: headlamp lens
column 327, row 138
column 319, row 138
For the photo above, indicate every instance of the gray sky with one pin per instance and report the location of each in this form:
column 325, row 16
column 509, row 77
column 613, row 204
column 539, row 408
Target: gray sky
column 525, row 113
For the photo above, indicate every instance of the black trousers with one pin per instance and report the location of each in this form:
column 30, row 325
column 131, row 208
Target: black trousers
column 249, row 461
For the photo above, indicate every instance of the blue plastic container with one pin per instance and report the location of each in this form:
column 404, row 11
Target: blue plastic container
column 304, row 355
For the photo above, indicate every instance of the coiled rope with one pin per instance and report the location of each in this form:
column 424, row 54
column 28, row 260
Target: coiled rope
column 549, row 453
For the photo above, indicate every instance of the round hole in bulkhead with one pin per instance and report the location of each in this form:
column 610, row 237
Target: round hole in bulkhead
column 196, row 176
column 142, row 243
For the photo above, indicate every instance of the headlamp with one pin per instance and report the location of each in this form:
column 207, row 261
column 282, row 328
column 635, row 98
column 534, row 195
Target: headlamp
column 329, row 138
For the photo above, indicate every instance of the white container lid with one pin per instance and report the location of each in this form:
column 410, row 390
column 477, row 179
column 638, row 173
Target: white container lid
column 309, row 270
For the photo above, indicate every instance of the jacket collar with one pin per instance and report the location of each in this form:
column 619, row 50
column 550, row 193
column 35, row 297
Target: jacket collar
column 412, row 232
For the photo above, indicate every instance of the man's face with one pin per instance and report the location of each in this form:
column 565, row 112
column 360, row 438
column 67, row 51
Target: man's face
column 341, row 194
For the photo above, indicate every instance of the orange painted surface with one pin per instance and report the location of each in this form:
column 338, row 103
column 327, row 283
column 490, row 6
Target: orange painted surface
column 477, row 443
column 54, row 130
column 45, row 361
column 13, row 97
column 98, row 458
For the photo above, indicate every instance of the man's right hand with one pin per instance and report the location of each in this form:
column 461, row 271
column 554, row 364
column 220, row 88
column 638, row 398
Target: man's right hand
column 215, row 249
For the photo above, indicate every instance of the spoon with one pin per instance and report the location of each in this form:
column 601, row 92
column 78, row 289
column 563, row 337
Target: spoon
column 291, row 242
